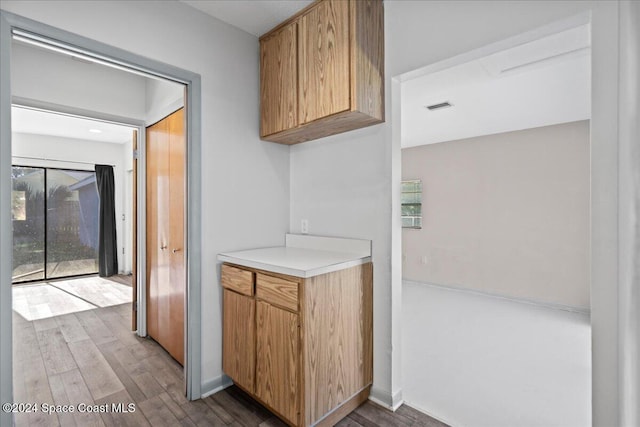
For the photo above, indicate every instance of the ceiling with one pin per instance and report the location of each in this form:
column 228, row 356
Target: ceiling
column 253, row 16
column 535, row 84
column 25, row 120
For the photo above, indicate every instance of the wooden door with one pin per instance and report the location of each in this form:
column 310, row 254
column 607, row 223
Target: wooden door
column 239, row 339
column 323, row 61
column 277, row 356
column 278, row 81
column 177, row 271
column 166, row 277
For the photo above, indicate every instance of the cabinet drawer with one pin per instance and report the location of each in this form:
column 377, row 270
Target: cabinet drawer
column 277, row 291
column 237, row 279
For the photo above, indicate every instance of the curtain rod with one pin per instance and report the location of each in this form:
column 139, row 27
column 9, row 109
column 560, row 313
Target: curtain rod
column 56, row 160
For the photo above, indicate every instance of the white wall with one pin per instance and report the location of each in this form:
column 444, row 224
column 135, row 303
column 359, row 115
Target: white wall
column 75, row 150
column 245, row 181
column 321, row 171
column 161, row 99
column 339, row 184
column 68, row 82
column 506, row 214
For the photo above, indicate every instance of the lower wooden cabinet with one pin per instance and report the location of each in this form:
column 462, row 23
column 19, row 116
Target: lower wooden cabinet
column 302, row 347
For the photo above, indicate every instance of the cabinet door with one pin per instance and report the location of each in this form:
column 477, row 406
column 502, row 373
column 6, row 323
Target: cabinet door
column 323, row 61
column 277, row 360
column 238, row 339
column 278, row 81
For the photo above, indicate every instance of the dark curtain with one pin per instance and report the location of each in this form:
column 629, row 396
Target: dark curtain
column 107, row 245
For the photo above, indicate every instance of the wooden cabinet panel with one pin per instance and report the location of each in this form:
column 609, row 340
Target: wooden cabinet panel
column 237, row 279
column 275, row 290
column 278, row 81
column 323, row 61
column 367, row 59
column 238, row 339
column 278, row 349
column 337, row 338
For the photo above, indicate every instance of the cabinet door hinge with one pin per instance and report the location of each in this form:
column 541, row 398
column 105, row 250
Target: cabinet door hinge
column 135, row 154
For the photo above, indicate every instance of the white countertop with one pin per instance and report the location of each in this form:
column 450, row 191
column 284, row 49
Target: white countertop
column 300, row 258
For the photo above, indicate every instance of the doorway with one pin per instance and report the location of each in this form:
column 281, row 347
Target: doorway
column 492, row 188
column 107, row 55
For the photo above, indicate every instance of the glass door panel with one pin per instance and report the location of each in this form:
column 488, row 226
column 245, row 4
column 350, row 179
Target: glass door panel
column 72, row 223
column 27, row 218
column 55, row 223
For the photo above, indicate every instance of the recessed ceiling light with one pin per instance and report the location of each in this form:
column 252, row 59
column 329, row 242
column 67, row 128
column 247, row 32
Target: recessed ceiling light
column 95, row 131
column 438, row 106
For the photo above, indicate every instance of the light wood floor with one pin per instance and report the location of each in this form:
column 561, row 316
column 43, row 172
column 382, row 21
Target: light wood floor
column 91, row 357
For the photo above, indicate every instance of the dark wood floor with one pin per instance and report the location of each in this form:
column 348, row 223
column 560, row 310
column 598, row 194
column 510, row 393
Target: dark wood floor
column 91, row 357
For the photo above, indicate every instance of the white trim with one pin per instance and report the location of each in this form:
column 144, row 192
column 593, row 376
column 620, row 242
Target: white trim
column 520, row 300
column 6, row 239
column 72, row 111
column 215, row 385
column 385, row 399
column 424, row 411
column 141, row 276
column 628, row 215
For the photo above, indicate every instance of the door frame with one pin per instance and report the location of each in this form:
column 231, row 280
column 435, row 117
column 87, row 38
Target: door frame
column 101, row 52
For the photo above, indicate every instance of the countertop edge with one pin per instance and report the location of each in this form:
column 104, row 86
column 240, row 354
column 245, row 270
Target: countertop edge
column 303, row 274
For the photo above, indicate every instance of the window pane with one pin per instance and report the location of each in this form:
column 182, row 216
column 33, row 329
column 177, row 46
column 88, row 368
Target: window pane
column 72, row 223
column 28, row 223
column 411, row 199
column 411, row 210
column 412, row 186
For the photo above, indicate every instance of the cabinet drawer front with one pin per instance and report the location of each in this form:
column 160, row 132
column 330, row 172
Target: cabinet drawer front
column 237, row 279
column 281, row 292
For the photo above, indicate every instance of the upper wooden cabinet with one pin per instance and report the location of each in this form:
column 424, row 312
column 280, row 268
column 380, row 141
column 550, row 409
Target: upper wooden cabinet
column 322, row 71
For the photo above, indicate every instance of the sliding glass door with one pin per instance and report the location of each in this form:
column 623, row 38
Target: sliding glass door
column 55, row 223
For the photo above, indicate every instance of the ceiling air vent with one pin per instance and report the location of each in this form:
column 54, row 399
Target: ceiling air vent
column 438, row 106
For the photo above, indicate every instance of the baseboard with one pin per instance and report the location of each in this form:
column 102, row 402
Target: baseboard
column 390, row 401
column 215, row 385
column 545, row 304
column 435, row 417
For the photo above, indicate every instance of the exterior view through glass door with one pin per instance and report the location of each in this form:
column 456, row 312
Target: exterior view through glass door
column 54, row 214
